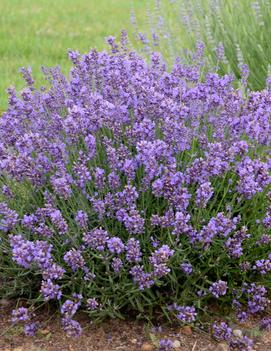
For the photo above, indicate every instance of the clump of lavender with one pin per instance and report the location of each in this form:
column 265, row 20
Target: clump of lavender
column 23, row 316
column 138, row 187
column 223, row 332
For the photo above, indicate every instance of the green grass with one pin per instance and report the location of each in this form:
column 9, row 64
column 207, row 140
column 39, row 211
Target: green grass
column 39, row 32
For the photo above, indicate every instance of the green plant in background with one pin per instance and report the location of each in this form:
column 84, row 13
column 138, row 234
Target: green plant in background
column 242, row 28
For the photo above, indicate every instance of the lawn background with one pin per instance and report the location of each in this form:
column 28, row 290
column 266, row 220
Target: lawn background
column 39, row 32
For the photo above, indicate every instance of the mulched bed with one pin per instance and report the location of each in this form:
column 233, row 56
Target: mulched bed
column 110, row 335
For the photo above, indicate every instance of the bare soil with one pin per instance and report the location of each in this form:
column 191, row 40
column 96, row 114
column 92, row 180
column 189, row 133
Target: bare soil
column 111, row 335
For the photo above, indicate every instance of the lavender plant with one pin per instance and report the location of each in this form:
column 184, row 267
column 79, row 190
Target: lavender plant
column 131, row 187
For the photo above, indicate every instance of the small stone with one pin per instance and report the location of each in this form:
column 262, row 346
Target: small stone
column 44, row 331
column 222, row 347
column 146, row 346
column 134, row 341
column 5, row 302
column 176, row 344
column 18, row 349
column 187, row 330
column 238, row 333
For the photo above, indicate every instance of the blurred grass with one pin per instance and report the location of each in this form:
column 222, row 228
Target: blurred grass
column 39, row 32
column 242, row 26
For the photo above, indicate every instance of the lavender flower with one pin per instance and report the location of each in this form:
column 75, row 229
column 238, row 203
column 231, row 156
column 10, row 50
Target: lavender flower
column 187, row 268
column 50, row 290
column 134, row 223
column 8, row 217
column 20, row 315
column 53, row 272
column 165, row 345
column 74, row 259
column 204, row 194
column 81, row 219
column 96, row 239
column 117, row 264
column 113, row 180
column 133, row 252
column 222, row 331
column 91, row 145
column 71, row 327
column 7, row 192
column 186, row 314
column 142, row 279
column 29, row 221
column 92, row 304
column 266, row 323
column 161, row 255
column 243, row 343
column 22, row 250
column 30, row 329
column 257, row 300
column 62, row 185
column 234, row 244
column 115, row 245
column 99, row 176
column 69, row 308
column 263, row 266
column 219, row 288
column 58, row 220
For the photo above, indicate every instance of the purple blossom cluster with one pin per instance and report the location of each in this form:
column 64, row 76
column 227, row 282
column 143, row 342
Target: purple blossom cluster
column 142, row 279
column 96, row 239
column 251, row 299
column 185, row 314
column 218, row 288
column 71, row 327
column 69, row 308
column 115, row 245
column 74, row 259
column 187, row 268
column 81, row 219
column 234, row 243
column 22, row 315
column 92, row 304
column 135, row 170
column 165, row 345
column 223, row 332
column 8, row 217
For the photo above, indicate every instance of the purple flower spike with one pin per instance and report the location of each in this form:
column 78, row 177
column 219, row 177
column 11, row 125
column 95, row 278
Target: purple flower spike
column 219, row 288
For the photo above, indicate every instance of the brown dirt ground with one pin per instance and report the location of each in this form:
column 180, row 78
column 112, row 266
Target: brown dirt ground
column 108, row 336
